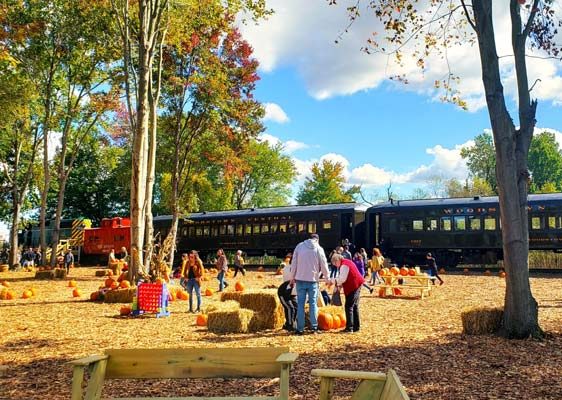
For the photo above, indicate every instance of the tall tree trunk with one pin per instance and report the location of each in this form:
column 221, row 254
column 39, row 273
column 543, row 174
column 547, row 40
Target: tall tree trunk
column 45, row 191
column 521, row 310
column 58, row 216
column 151, row 170
column 16, row 214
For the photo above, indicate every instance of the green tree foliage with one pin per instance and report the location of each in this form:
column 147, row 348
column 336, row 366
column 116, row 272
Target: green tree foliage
column 473, row 187
column 326, row 185
column 545, row 163
column 481, row 159
column 266, row 178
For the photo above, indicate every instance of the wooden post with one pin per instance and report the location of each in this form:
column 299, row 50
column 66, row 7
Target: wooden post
column 77, row 378
column 326, row 388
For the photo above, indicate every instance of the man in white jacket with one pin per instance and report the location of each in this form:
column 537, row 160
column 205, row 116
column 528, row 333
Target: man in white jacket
column 309, row 262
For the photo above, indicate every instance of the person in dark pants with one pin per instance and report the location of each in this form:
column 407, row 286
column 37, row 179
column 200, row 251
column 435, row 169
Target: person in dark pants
column 351, row 280
column 432, row 265
column 288, row 298
column 68, row 260
column 239, row 264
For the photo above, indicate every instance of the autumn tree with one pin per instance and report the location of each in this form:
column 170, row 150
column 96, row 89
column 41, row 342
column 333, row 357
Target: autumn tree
column 545, row 163
column 326, row 185
column 481, row 159
column 436, row 26
column 471, row 187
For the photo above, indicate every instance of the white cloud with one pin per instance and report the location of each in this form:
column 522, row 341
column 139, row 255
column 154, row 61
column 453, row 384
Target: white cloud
column 290, row 146
column 302, row 34
column 274, row 112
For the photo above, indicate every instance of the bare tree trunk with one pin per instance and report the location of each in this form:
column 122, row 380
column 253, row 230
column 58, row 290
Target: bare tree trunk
column 58, row 216
column 44, row 192
column 521, row 310
column 16, row 213
column 151, row 170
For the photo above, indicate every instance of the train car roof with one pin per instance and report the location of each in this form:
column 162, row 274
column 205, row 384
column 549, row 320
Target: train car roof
column 276, row 210
column 457, row 201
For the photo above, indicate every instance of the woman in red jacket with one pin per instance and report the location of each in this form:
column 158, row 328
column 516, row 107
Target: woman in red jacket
column 351, row 280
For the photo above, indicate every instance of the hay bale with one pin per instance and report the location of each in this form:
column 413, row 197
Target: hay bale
column 268, row 309
column 60, row 273
column 234, row 321
column 229, row 305
column 481, row 321
column 120, row 295
column 4, row 267
column 57, row 273
column 102, row 272
column 236, row 296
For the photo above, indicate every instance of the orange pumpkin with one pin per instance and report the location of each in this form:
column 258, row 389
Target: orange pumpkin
column 182, row 295
column 125, row 284
column 109, row 281
column 382, row 292
column 397, row 291
column 337, row 322
column 239, row 286
column 343, row 319
column 404, row 271
column 125, row 310
column 10, row 295
column 33, row 291
column 412, row 272
column 94, row 296
column 72, row 283
column 384, row 271
column 260, row 268
column 209, row 292
column 114, row 285
column 76, row 292
column 465, row 270
column 487, row 273
column 27, row 294
column 201, row 320
column 502, row 274
column 5, row 283
column 159, row 281
column 325, row 321
column 442, row 271
column 395, row 271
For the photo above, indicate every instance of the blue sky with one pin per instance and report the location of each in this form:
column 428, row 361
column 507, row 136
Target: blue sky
column 332, row 101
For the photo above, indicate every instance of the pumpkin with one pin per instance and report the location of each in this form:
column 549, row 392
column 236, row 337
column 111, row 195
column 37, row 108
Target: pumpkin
column 384, row 271
column 209, row 292
column 239, row 286
column 201, row 320
column 465, row 270
column 159, row 281
column 3, row 294
column 94, row 296
column 125, row 310
column 33, row 291
column 404, row 271
column 108, row 282
column 260, row 268
column 27, row 294
column 337, row 321
column 395, row 271
column 125, row 284
column 343, row 319
column 382, row 292
column 397, row 291
column 182, row 295
column 412, row 272
column 76, row 292
column 114, row 285
column 442, row 271
column 487, row 273
column 325, row 321
column 10, row 295
column 502, row 274
column 109, row 273
column 5, row 283
column 72, row 283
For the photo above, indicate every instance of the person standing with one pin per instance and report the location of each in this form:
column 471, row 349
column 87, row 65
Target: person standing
column 377, row 262
column 287, row 294
column 37, row 259
column 432, row 265
column 222, row 267
column 351, row 280
column 122, row 255
column 360, row 264
column 68, row 260
column 309, row 262
column 191, row 273
column 346, row 253
column 239, row 264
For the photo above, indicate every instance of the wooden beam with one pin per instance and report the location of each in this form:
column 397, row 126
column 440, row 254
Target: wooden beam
column 88, row 360
column 341, row 374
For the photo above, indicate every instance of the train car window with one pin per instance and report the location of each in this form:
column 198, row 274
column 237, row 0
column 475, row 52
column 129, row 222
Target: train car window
column 445, row 223
column 184, row 231
column 264, row 228
column 326, row 225
column 490, row 223
column 393, row 225
column 552, row 223
column 404, row 225
column 222, row 230
column 460, row 223
column 206, row 230
column 199, row 231
column 431, row 224
column 536, row 222
column 417, row 225
column 248, row 229
column 292, row 228
column 191, row 231
column 474, row 223
column 302, row 227
column 311, row 226
column 230, row 229
column 274, row 226
column 214, row 230
column 256, row 229
column 282, row 227
column 240, row 230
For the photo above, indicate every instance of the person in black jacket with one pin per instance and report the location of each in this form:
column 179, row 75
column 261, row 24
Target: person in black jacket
column 432, row 265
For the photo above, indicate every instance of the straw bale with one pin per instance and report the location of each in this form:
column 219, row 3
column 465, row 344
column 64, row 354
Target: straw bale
column 226, row 296
column 57, row 273
column 229, row 305
column 102, row 272
column 120, row 295
column 60, row 273
column 481, row 321
column 268, row 309
column 235, row 321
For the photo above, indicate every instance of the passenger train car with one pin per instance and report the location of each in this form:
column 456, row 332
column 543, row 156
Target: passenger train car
column 457, row 230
